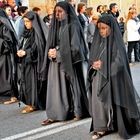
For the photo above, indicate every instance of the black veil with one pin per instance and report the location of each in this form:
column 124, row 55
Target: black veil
column 11, row 38
column 71, row 24
column 5, row 20
column 115, row 74
column 41, row 35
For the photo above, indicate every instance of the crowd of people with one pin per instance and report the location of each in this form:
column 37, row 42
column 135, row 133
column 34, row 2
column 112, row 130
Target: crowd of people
column 72, row 63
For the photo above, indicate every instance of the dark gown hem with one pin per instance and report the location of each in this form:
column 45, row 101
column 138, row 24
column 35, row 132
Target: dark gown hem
column 101, row 129
column 61, row 120
column 127, row 137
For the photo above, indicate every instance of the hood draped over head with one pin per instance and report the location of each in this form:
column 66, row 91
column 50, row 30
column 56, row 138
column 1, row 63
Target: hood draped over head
column 8, row 35
column 40, row 35
column 39, row 26
column 5, row 20
column 115, row 72
column 61, row 34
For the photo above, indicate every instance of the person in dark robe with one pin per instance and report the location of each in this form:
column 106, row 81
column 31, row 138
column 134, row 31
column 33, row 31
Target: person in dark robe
column 113, row 105
column 31, row 54
column 8, row 48
column 62, row 68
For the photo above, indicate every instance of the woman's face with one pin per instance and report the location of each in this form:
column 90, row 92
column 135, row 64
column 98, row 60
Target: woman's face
column 60, row 13
column 104, row 29
column 134, row 15
column 8, row 11
column 27, row 23
column 50, row 11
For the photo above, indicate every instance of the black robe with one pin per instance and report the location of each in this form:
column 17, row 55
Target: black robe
column 33, row 41
column 113, row 104
column 27, row 72
column 8, row 44
column 66, row 93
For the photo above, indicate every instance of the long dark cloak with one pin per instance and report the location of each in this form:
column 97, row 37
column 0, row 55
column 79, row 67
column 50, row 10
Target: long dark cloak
column 79, row 49
column 115, row 86
column 8, row 45
column 27, row 73
column 72, row 51
column 41, row 35
column 38, row 39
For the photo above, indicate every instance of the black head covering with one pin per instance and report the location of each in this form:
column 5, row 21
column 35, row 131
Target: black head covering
column 13, row 37
column 10, row 36
column 116, row 82
column 71, row 17
column 5, row 20
column 39, row 26
column 68, row 9
column 69, row 24
column 41, row 34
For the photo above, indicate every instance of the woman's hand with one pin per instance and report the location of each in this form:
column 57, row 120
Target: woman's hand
column 52, row 53
column 21, row 53
column 97, row 65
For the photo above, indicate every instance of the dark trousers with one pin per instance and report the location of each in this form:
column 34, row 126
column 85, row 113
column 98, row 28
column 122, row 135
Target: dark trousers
column 133, row 45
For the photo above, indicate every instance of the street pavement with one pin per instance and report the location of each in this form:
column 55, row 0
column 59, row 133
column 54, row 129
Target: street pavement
column 17, row 126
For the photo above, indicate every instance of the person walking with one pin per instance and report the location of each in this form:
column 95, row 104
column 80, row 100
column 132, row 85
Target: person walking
column 133, row 36
column 31, row 55
column 62, row 69
column 113, row 98
column 8, row 59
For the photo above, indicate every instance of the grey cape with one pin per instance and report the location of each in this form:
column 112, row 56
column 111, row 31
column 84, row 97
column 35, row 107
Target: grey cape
column 66, row 93
column 113, row 104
